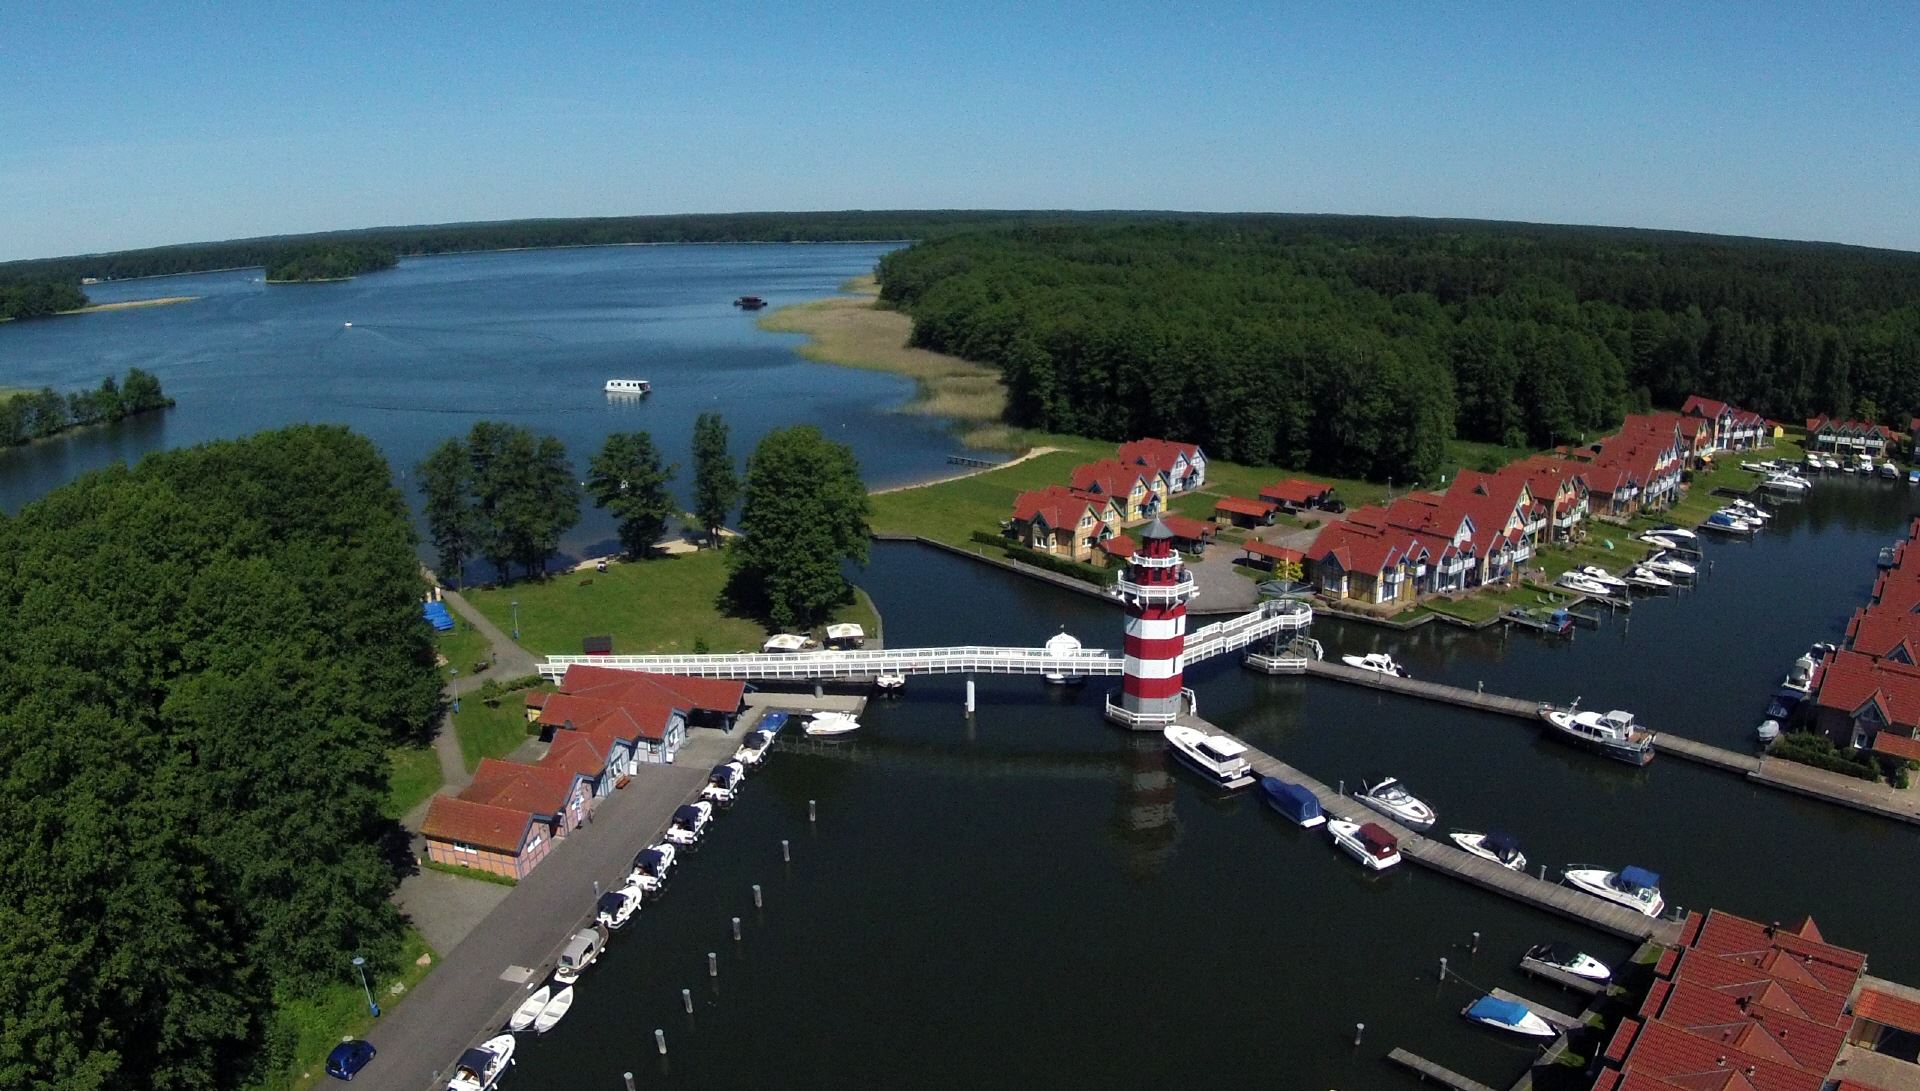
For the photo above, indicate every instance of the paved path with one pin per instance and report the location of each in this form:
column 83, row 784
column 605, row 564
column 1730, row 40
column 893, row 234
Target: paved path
column 510, row 661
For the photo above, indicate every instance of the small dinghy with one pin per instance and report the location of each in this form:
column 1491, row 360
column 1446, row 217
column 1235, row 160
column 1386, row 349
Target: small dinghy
column 555, row 1010
column 830, row 724
column 1377, row 662
column 1296, row 801
column 1569, row 959
column 1501, row 848
column 1509, row 1016
column 1391, row 798
column 530, row 1009
column 890, row 683
column 1768, row 731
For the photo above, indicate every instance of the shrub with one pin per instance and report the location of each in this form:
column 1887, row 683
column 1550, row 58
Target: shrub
column 1809, row 748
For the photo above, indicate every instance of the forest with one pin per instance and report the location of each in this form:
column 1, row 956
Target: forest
column 36, row 414
column 37, row 297
column 329, row 263
column 1354, row 345
column 203, row 661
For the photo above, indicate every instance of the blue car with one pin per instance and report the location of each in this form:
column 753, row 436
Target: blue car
column 348, row 1058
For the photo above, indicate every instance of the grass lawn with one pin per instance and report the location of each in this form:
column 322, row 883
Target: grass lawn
column 1555, row 559
column 316, row 1023
column 462, row 647
column 1701, row 502
column 659, row 605
column 491, row 731
column 1475, row 456
column 412, row 776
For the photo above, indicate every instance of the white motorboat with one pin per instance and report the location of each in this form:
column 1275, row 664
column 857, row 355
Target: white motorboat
column 1369, row 843
column 480, row 1068
column 1509, row 1015
column 1569, row 959
column 1602, row 577
column 1750, row 511
column 555, row 1011
column 1800, row 676
column 1222, row 760
column 1768, row 731
column 1062, row 645
column 1641, row 576
column 1866, row 464
column 617, row 907
column 1668, row 565
column 1391, row 798
column 1377, row 662
column 1574, row 581
column 1889, row 471
column 582, row 950
column 1499, row 847
column 1677, row 534
column 1633, row 887
column 1766, row 467
column 753, row 749
column 650, row 869
column 890, row 683
column 530, row 1008
column 1654, row 539
column 629, row 386
column 690, row 823
column 1614, row 734
column 1726, row 522
column 1794, row 484
column 829, row 724
column 723, row 784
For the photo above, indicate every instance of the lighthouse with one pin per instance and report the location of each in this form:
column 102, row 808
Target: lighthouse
column 1155, row 591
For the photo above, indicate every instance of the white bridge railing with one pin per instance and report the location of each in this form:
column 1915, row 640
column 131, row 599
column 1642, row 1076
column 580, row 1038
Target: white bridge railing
column 1216, row 639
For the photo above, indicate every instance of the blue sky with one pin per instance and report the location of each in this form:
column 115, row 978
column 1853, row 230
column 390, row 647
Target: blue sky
column 127, row 125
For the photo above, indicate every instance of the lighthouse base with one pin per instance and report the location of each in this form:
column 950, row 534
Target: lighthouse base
column 1154, row 719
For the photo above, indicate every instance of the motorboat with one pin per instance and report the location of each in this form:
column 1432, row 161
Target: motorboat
column 1654, row 539
column 650, row 869
column 530, row 1008
column 829, row 724
column 1768, row 731
column 1368, row 843
column 1633, row 887
column 1674, row 533
column 1765, row 467
column 1062, row 645
column 1913, row 477
column 1641, row 576
column 1574, row 581
column 1889, row 555
column 1792, row 483
column 555, row 1011
column 1219, row 758
column 480, row 1068
column 1569, row 959
column 617, row 907
column 889, row 682
column 1377, row 662
column 1510, row 1016
column 750, row 303
column 1614, row 734
column 771, row 723
column 1750, row 511
column 753, row 749
column 1866, row 464
column 1391, row 798
column 1800, row 677
column 1668, row 565
column 581, row 951
column 1296, row 801
column 1501, row 848
column 1889, row 471
column 1602, row 577
column 633, row 387
column 723, row 783
column 690, row 823
column 1726, row 522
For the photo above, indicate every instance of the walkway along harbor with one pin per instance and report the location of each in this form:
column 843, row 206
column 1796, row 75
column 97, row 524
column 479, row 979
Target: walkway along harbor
column 1778, row 773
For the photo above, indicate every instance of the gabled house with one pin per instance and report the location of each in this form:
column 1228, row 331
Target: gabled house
column 1889, row 634
column 507, row 841
column 1861, row 698
column 1850, row 437
column 1559, row 486
column 1365, row 564
column 1294, row 494
column 1238, row 511
column 1063, row 522
column 1182, row 464
column 1140, row 492
column 561, row 796
column 634, row 717
column 1729, row 428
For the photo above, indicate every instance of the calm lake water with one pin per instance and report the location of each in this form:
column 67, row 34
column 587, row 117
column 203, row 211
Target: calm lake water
column 439, row 343
column 1034, row 897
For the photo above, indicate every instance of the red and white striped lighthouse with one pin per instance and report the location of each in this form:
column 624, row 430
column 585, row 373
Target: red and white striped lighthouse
column 1155, row 591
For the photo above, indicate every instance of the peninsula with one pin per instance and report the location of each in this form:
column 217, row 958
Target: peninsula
column 325, row 263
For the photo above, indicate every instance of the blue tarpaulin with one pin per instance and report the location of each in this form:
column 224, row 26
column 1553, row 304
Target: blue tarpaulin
column 1639, row 878
column 1505, row 1012
column 436, row 615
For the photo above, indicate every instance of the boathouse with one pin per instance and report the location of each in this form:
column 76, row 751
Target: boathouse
column 1293, row 494
column 507, row 841
column 1238, row 511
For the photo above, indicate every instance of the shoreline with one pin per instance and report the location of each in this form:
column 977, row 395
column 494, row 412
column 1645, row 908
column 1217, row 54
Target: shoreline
column 130, row 304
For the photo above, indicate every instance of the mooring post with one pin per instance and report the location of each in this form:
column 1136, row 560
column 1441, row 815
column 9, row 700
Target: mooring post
column 660, row 1041
column 736, row 930
column 628, row 1077
column 969, row 696
column 1543, row 873
column 596, row 889
column 1443, row 967
column 786, row 853
column 713, row 964
column 757, row 903
column 813, row 811
column 1342, row 790
column 1359, row 1031
column 686, row 1000
column 1476, row 943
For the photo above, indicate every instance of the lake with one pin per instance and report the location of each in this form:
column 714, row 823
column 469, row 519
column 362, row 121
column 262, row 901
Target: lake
column 438, row 343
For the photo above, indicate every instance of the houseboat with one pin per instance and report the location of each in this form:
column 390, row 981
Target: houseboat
column 749, row 303
column 480, row 1068
column 1296, row 801
column 1614, row 734
column 1219, row 759
column 1636, row 888
column 1370, row 844
column 1501, row 848
column 633, row 387
column 1509, row 1016
column 1391, row 798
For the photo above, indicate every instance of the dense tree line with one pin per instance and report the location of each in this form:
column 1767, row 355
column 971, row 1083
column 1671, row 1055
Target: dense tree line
column 532, row 234
column 335, row 262
column 41, row 296
column 37, row 414
column 1360, row 346
column 804, row 516
column 203, row 661
column 502, row 494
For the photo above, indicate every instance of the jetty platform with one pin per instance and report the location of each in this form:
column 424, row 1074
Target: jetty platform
column 1439, row 1073
column 1585, row 986
column 1787, row 776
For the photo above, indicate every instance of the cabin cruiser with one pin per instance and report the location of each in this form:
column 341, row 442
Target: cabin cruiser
column 723, row 783
column 1727, row 522
column 690, row 823
column 1219, row 758
column 888, row 682
column 1673, row 533
column 1601, row 576
column 1668, row 565
column 753, row 749
column 650, row 869
column 1633, row 887
column 1768, row 731
column 1750, row 511
column 1801, row 676
column 1296, row 801
column 1574, row 581
column 1642, row 576
column 629, row 386
column 1614, row 734
column 617, row 907
column 1569, row 959
column 1889, row 471
column 832, row 723
column 1368, row 843
column 1792, row 483
column 530, row 1008
column 1062, row 645
column 1888, row 556
column 480, row 1068
column 1377, row 662
column 1501, row 848
column 1654, row 538
column 582, row 950
column 1391, row 798
column 1509, row 1015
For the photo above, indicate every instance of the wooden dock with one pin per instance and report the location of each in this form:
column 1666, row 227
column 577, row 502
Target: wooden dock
column 1560, row 1020
column 1582, row 985
column 1566, row 901
column 1431, row 691
column 1428, row 1070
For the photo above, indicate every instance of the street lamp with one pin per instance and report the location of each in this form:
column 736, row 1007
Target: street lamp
column 516, row 619
column 360, row 964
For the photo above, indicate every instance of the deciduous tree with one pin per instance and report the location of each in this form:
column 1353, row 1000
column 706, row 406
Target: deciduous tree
column 628, row 479
column 716, row 487
column 805, row 515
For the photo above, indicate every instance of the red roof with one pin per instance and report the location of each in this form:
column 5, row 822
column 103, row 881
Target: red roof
column 503, row 829
column 1272, row 552
column 1295, row 491
column 1111, row 477
column 1118, row 546
column 1888, row 1010
column 1236, row 505
column 693, row 694
column 1850, row 681
column 1877, row 632
column 1156, row 454
column 1191, row 530
column 1851, row 428
column 1890, row 745
column 576, row 753
column 540, row 789
column 1056, row 506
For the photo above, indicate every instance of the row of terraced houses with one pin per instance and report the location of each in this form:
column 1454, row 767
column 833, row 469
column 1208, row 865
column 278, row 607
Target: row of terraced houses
column 1867, row 692
column 1084, row 519
column 1486, row 526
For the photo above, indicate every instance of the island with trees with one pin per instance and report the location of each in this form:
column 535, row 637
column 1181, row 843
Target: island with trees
column 27, row 415
column 32, row 298
column 322, row 263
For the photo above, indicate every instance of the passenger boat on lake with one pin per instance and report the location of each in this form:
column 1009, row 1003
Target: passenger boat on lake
column 633, row 387
column 1614, row 734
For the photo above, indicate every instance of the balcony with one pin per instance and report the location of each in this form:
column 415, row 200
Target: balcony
column 1156, row 594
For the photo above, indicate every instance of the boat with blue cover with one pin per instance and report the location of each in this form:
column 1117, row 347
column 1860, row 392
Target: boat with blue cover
column 1634, row 887
column 1296, row 801
column 1509, row 1016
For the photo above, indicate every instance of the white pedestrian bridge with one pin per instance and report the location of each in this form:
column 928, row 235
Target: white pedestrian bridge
column 1278, row 617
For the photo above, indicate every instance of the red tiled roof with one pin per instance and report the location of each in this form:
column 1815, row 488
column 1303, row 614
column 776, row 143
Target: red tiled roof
column 575, row 753
column 539, row 789
column 1158, row 454
column 503, row 829
column 692, row 694
column 1237, row 505
column 1889, row 745
column 1876, row 632
column 1272, row 552
column 1190, row 529
column 1850, row 681
column 1295, row 491
column 1682, row 1059
column 1118, row 546
column 1888, row 1010
column 1110, row 476
column 1851, row 427
column 1055, row 505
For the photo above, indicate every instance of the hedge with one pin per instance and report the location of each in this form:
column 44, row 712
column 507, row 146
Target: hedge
column 1816, row 750
column 1099, row 577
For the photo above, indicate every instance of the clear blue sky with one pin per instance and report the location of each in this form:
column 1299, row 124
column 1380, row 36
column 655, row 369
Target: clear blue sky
column 131, row 125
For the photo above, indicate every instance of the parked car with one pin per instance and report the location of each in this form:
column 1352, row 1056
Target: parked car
column 348, row 1058
column 1336, row 506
